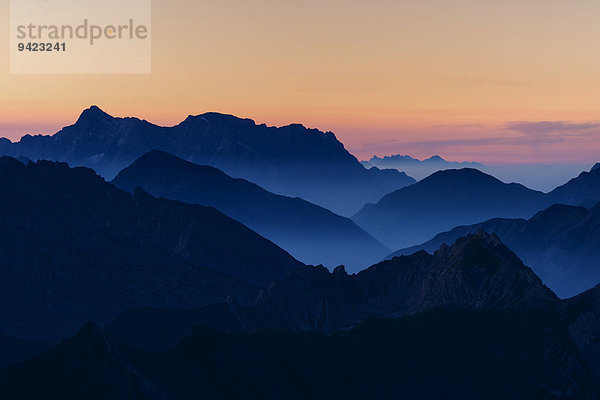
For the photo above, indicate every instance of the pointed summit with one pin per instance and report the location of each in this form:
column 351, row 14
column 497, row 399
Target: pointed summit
column 595, row 167
column 94, row 113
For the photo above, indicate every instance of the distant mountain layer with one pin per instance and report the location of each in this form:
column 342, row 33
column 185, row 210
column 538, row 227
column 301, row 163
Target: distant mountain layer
column 451, row 198
column 310, row 233
column 442, row 201
column 561, row 244
column 290, row 160
column 418, row 168
column 400, row 160
column 75, row 248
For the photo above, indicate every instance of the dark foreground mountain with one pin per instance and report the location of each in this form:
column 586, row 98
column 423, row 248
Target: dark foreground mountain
column 483, row 326
column 447, row 199
column 73, row 248
column 561, row 244
column 477, row 272
column 461, row 355
column 310, row 233
column 290, row 160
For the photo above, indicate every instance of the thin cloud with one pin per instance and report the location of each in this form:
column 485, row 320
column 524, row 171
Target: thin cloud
column 542, row 128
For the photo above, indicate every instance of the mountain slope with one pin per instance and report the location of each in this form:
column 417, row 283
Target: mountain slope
column 290, row 160
column 582, row 190
column 442, row 201
column 561, row 244
column 73, row 247
column 310, row 233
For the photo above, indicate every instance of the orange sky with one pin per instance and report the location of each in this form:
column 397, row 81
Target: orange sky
column 466, row 79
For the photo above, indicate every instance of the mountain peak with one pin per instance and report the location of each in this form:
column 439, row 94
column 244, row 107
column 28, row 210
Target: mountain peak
column 461, row 173
column 94, row 113
column 473, row 242
column 90, row 329
column 595, row 167
column 435, row 158
column 484, row 237
column 157, row 155
column 218, row 118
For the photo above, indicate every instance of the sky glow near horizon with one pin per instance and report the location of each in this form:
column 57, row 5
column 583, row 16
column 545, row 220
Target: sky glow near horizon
column 488, row 81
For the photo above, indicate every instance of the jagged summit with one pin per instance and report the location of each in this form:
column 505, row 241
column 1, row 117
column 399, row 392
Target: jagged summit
column 478, row 239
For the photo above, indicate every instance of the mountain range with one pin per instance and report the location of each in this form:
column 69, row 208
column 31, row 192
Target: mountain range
column 416, row 168
column 310, row 233
column 291, row 160
column 74, row 248
column 170, row 283
column 482, row 325
column 450, row 198
column 561, row 244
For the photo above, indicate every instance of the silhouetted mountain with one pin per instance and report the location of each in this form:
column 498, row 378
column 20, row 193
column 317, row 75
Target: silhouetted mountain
column 595, row 167
column 442, row 201
column 310, row 233
column 73, row 248
column 501, row 334
column 418, row 169
column 290, row 160
column 583, row 190
column 466, row 355
column 561, row 244
column 477, row 272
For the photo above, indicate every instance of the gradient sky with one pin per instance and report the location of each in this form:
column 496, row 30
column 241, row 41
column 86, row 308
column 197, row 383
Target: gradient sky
column 494, row 81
